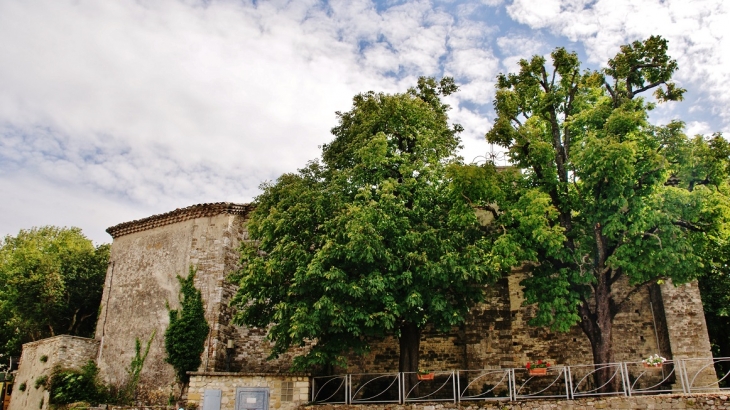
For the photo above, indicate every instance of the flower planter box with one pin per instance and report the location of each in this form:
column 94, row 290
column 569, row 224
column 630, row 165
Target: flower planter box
column 540, row 371
column 425, row 376
column 653, row 366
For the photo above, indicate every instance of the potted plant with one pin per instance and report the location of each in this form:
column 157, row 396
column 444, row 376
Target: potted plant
column 425, row 375
column 538, row 368
column 654, row 361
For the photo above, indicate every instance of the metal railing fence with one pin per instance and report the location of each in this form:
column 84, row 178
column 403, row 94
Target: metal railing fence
column 560, row 382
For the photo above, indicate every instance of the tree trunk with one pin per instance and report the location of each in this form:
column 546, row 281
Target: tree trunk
column 598, row 327
column 602, row 349
column 410, row 342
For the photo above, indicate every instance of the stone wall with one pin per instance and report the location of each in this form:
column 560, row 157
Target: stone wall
column 251, row 349
column 497, row 334
column 146, row 257
column 148, row 254
column 687, row 330
column 286, row 391
column 38, row 360
column 142, row 282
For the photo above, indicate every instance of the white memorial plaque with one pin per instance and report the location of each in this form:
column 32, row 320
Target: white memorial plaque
column 250, row 399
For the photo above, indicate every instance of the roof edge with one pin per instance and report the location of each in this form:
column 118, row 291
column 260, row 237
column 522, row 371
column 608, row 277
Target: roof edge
column 179, row 215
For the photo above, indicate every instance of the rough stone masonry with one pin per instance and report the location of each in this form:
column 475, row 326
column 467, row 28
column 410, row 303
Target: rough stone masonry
column 148, row 254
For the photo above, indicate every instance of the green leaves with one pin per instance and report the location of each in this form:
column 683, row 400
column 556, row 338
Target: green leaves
column 51, row 282
column 185, row 334
column 643, row 65
column 77, row 385
column 375, row 236
column 602, row 196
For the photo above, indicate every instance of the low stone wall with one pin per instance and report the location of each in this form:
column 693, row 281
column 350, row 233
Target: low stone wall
column 286, row 391
column 37, row 361
column 689, row 401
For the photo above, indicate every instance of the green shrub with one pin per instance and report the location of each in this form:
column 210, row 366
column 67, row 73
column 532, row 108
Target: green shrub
column 185, row 335
column 44, row 358
column 128, row 392
column 22, row 386
column 82, row 385
column 41, row 381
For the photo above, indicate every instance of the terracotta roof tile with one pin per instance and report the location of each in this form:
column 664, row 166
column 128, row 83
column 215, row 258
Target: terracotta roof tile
column 179, row 215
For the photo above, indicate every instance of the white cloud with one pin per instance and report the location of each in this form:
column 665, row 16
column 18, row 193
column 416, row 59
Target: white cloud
column 515, row 47
column 157, row 105
column 37, row 201
column 698, row 128
column 475, row 125
column 697, row 32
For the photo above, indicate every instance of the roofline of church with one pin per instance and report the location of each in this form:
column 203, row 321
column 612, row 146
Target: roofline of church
column 179, row 215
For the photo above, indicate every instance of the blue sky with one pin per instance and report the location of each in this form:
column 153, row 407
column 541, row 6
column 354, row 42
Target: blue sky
column 114, row 111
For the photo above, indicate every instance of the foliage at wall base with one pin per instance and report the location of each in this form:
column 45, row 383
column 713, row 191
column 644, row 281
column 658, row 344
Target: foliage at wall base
column 77, row 385
column 185, row 335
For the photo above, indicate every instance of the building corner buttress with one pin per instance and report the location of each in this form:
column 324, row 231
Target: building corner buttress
column 687, row 330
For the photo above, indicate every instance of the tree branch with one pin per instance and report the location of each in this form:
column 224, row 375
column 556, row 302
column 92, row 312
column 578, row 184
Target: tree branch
column 587, row 322
column 566, row 114
column 687, row 225
column 610, row 91
column 638, row 66
column 642, row 89
column 600, row 248
column 552, row 80
column 544, row 80
column 73, row 321
column 616, row 276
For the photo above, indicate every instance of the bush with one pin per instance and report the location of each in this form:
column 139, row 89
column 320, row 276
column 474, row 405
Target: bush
column 41, row 381
column 82, row 385
column 185, row 335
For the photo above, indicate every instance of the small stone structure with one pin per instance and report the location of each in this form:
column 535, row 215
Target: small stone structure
column 38, row 360
column 287, row 391
column 141, row 285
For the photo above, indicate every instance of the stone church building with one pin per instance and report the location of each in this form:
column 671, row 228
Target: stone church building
column 148, row 254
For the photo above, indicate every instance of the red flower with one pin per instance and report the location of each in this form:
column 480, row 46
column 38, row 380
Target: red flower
column 539, row 362
column 528, row 365
column 548, row 364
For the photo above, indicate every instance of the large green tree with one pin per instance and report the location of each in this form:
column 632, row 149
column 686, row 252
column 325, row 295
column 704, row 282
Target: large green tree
column 598, row 195
column 370, row 242
column 51, row 280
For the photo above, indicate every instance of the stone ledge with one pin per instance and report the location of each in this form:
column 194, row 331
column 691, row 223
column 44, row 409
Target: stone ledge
column 54, row 338
column 248, row 374
column 179, row 215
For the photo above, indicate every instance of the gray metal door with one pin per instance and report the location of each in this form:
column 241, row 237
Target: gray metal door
column 212, row 399
column 252, row 398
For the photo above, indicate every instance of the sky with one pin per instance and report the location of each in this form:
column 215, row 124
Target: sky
column 117, row 110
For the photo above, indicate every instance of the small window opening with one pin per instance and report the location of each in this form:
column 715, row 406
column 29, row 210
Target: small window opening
column 287, row 391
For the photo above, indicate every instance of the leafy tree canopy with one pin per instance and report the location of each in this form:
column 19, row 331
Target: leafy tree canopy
column 599, row 195
column 715, row 289
column 51, row 280
column 372, row 241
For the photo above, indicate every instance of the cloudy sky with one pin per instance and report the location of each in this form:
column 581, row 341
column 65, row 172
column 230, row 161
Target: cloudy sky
column 116, row 110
